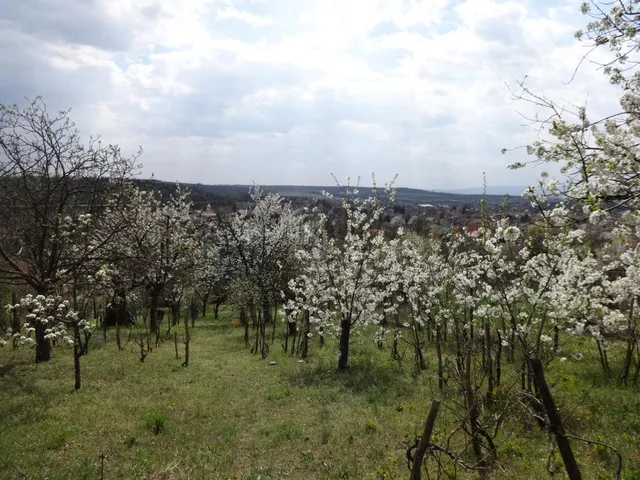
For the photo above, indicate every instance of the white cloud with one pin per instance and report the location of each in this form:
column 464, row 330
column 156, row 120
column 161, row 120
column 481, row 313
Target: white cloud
column 254, row 20
column 286, row 92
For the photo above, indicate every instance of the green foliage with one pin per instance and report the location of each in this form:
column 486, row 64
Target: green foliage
column 156, row 422
column 371, row 426
column 282, row 432
column 280, row 395
column 59, row 438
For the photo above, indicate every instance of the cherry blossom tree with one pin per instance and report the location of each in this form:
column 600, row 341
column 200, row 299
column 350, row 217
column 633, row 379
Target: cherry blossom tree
column 153, row 250
column 260, row 246
column 213, row 273
column 52, row 186
column 343, row 283
column 58, row 321
column 598, row 159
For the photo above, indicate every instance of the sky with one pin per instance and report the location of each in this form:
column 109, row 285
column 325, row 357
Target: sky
column 292, row 91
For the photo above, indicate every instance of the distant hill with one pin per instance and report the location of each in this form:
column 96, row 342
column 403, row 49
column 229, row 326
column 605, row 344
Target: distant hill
column 407, row 196
column 512, row 190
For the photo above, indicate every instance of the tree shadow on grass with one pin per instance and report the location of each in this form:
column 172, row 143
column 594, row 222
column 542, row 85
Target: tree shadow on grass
column 18, row 395
column 377, row 381
column 214, row 325
column 5, row 369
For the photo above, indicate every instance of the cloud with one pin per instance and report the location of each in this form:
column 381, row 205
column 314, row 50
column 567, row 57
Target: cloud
column 249, row 18
column 232, row 91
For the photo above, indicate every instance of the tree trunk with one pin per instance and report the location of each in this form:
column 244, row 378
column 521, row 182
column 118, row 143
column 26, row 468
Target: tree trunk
column 15, row 320
column 187, row 341
column 153, row 313
column 216, row 308
column 439, row 355
column 417, row 345
column 77, row 353
column 383, row 324
column 488, row 363
column 294, row 341
column 396, row 335
column 554, row 420
column 290, row 332
column 472, row 408
column 256, row 317
column 175, row 313
column 416, row 470
column 244, row 321
column 74, row 293
column 498, row 360
column 43, row 345
column 285, row 347
column 118, row 341
column 85, row 345
column 631, row 344
column 512, row 344
column 76, row 367
column 304, row 339
column 266, row 318
column 274, row 319
column 205, row 300
column 345, row 333
column 458, row 344
column 193, row 311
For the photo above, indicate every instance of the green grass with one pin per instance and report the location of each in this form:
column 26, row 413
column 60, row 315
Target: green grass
column 231, row 415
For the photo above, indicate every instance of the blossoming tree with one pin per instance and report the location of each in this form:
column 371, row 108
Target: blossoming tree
column 51, row 184
column 59, row 323
column 260, row 247
column 342, row 284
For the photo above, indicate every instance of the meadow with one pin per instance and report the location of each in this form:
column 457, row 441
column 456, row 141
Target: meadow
column 230, row 414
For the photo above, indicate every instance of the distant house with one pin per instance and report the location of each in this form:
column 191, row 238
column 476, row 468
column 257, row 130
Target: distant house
column 210, row 214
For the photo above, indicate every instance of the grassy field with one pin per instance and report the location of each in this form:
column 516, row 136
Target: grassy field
column 232, row 415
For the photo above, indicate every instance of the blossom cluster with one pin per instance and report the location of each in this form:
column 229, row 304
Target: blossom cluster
column 50, row 314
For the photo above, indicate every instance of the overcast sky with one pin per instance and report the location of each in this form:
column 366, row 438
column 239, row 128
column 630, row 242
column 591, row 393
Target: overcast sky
column 289, row 91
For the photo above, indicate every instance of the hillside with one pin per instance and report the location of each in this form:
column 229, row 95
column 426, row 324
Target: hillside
column 409, row 196
column 512, row 190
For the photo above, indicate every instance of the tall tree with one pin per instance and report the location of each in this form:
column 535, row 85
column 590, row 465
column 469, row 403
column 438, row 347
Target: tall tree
column 346, row 279
column 260, row 246
column 154, row 247
column 52, row 183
